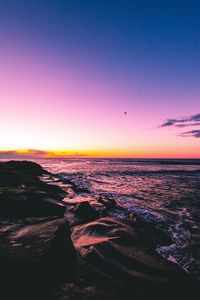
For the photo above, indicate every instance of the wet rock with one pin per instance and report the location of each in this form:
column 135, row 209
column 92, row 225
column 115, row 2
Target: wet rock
column 13, row 173
column 85, row 292
column 142, row 226
column 85, row 211
column 24, row 194
column 108, row 203
column 80, row 213
column 130, row 259
column 21, row 205
column 36, row 257
column 75, row 187
column 86, row 208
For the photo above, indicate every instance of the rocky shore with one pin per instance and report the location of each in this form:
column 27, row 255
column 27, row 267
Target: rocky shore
column 56, row 244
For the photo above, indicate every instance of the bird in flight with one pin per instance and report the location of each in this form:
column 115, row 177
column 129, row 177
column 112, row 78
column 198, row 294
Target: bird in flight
column 125, row 113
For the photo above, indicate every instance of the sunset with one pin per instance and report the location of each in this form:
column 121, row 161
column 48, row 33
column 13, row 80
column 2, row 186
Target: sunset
column 99, row 149
column 70, row 71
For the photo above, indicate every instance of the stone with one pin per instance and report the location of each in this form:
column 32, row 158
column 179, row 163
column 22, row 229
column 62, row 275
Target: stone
column 80, row 213
column 36, row 257
column 129, row 258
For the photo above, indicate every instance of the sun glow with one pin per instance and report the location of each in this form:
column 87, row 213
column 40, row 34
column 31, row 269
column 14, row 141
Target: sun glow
column 50, row 103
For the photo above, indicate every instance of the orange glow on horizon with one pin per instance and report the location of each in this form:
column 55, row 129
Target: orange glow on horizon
column 98, row 153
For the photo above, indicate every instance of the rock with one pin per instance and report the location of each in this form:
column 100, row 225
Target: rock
column 80, row 213
column 89, row 292
column 22, row 205
column 14, row 173
column 75, row 187
column 142, row 226
column 130, row 259
column 108, row 203
column 24, row 194
column 86, row 208
column 36, row 257
column 25, row 167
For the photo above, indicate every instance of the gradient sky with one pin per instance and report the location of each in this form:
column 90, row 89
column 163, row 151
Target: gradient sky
column 69, row 69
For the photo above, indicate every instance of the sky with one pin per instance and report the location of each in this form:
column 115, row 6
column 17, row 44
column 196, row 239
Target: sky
column 70, row 69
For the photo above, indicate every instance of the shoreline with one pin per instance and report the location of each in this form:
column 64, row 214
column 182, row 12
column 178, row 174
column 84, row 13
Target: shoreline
column 84, row 251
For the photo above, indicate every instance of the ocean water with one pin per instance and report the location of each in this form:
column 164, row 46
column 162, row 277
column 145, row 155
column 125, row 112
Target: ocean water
column 164, row 192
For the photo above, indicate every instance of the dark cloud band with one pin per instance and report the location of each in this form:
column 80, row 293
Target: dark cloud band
column 182, row 122
column 191, row 133
column 30, row 153
column 34, row 153
column 188, row 121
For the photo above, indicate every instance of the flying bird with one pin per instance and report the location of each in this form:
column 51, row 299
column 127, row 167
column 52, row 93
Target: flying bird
column 125, row 113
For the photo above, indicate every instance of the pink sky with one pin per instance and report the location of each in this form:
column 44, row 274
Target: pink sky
column 58, row 105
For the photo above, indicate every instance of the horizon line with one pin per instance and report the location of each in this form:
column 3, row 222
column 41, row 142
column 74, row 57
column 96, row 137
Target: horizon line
column 136, row 158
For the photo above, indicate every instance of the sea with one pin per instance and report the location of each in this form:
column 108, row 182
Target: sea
column 164, row 192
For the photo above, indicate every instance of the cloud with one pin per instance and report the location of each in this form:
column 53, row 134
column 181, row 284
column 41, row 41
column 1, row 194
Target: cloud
column 188, row 121
column 30, row 153
column 191, row 133
column 192, row 120
column 188, row 124
column 34, row 153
